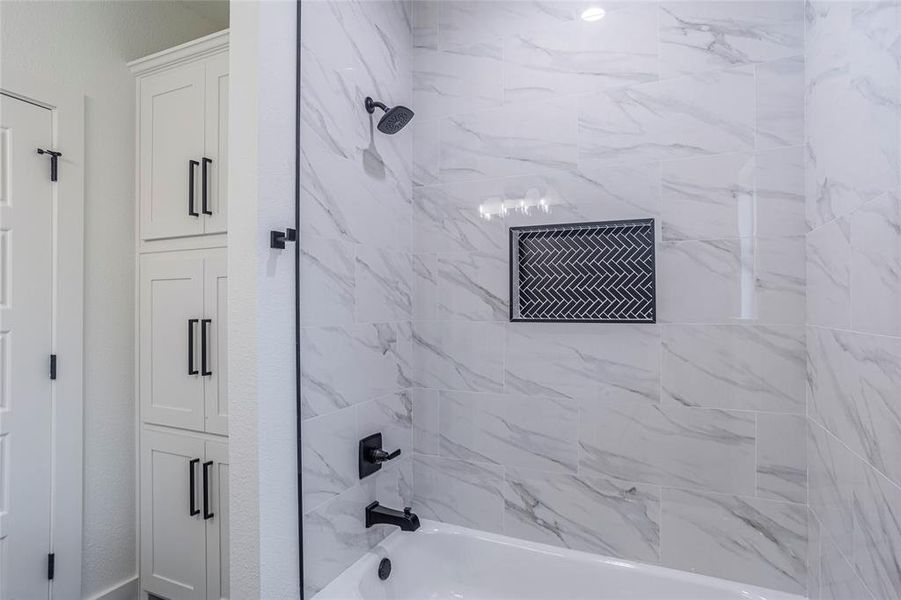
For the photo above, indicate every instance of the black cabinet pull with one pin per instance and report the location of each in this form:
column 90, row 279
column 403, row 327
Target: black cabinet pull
column 191, row 165
column 204, row 334
column 191, row 324
column 207, row 513
column 203, row 173
column 192, row 507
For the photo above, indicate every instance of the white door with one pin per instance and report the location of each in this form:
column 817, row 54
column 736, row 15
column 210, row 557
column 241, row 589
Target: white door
column 173, row 532
column 170, row 340
column 216, row 143
column 217, row 524
column 26, row 287
column 171, row 148
column 215, row 330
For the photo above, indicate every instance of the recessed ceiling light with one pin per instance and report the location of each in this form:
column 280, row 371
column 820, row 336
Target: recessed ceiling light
column 595, row 13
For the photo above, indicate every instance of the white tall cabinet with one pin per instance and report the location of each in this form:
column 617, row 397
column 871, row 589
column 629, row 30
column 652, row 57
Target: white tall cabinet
column 182, row 310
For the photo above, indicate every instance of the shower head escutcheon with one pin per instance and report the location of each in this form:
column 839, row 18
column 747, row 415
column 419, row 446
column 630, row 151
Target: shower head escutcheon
column 393, row 120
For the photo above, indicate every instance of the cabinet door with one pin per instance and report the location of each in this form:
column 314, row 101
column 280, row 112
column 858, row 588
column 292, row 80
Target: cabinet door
column 173, row 541
column 172, row 135
column 171, row 307
column 215, row 299
column 216, row 143
column 217, row 526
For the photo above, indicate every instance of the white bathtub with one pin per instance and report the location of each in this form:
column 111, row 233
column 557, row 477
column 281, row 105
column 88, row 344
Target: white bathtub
column 445, row 561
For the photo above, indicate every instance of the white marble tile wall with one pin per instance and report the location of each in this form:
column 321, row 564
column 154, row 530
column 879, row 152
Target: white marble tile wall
column 637, row 441
column 853, row 298
column 358, row 276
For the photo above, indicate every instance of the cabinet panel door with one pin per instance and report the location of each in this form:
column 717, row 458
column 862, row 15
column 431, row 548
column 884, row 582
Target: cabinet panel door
column 215, row 299
column 171, row 296
column 172, row 130
column 216, row 142
column 173, row 541
column 217, row 549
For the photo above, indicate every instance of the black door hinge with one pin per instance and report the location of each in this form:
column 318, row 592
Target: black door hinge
column 54, row 159
column 53, row 366
column 51, row 565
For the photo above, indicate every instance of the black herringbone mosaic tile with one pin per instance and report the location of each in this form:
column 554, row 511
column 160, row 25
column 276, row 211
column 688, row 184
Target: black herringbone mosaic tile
column 590, row 272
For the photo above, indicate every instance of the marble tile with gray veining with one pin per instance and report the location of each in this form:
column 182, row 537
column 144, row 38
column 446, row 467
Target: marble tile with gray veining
column 565, row 360
column 709, row 113
column 577, row 57
column 473, row 287
column 329, row 457
column 877, row 534
column 734, row 195
column 592, row 514
column 745, row 539
column 779, row 191
column 463, row 80
column 383, row 280
column 709, row 197
column 613, row 193
column 827, row 30
column 840, row 177
column 669, row 445
column 465, row 22
column 348, row 47
column 814, row 551
column 701, row 36
column 542, row 136
column 838, row 579
column 425, row 286
column 338, row 532
column 327, row 270
column 780, row 103
column 701, row 282
column 832, row 473
column 458, row 355
column 392, row 415
column 517, row 139
column 744, row 367
column 854, row 380
column 829, row 275
column 782, row 457
column 779, row 274
column 394, row 485
column 459, row 492
column 337, row 528
column 343, row 366
column 425, row 23
column 447, row 218
column 876, row 266
column 427, row 158
column 515, row 431
column 425, row 421
column 338, row 201
column 472, row 146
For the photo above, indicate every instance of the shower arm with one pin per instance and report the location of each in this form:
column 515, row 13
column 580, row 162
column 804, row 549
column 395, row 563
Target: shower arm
column 371, row 104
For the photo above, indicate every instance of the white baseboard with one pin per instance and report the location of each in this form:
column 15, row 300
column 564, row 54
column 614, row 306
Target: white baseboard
column 130, row 589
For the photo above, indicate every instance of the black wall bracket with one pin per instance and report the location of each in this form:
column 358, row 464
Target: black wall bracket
column 54, row 157
column 277, row 239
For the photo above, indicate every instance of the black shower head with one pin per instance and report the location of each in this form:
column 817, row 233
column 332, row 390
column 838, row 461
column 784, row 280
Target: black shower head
column 393, row 120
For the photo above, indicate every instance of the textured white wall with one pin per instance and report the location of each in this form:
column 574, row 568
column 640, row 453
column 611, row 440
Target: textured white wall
column 262, row 436
column 85, row 45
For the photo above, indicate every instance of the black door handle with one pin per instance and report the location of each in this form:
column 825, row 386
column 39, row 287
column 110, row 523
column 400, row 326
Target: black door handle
column 203, row 173
column 191, row 369
column 204, row 333
column 207, row 513
column 192, row 507
column 191, row 165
